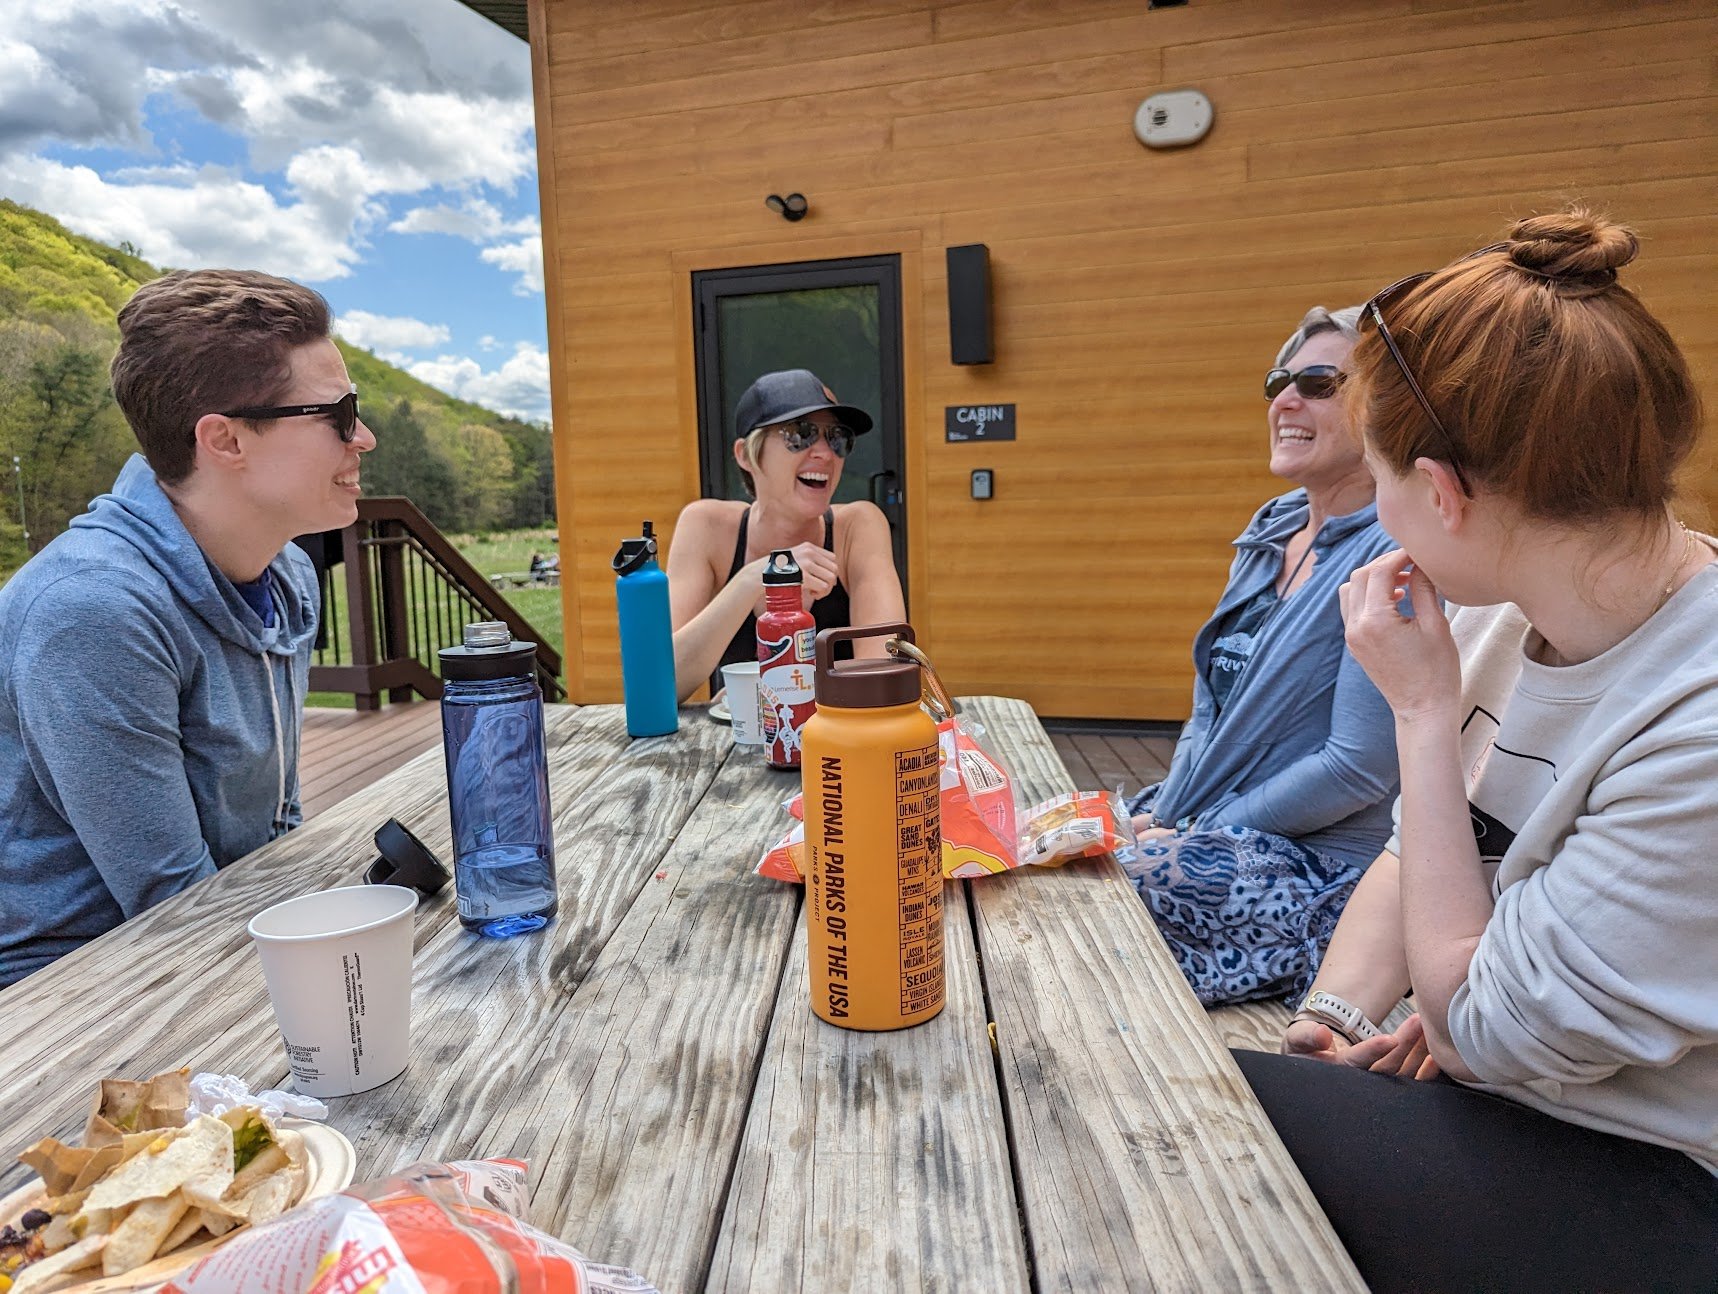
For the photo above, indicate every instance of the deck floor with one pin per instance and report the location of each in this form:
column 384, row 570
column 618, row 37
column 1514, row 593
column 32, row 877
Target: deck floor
column 346, row 750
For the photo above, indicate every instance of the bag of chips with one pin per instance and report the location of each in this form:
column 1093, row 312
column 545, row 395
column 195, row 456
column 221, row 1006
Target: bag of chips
column 455, row 1228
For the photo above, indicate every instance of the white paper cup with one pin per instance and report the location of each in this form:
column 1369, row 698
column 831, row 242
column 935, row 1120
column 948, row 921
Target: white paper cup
column 339, row 972
column 742, row 683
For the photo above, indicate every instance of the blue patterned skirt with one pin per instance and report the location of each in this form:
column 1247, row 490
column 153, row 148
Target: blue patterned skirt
column 1247, row 914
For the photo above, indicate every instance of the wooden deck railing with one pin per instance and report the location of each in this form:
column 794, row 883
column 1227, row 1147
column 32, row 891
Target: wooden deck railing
column 408, row 593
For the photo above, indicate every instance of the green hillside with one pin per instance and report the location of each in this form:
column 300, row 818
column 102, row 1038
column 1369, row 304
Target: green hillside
column 468, row 468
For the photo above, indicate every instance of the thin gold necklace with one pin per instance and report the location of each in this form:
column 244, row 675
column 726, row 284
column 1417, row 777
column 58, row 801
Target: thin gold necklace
column 1551, row 656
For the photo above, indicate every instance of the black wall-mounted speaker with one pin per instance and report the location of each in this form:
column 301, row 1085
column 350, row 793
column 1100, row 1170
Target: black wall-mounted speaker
column 969, row 339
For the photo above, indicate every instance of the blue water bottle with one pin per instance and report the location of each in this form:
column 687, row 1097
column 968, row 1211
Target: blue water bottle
column 497, row 783
column 646, row 639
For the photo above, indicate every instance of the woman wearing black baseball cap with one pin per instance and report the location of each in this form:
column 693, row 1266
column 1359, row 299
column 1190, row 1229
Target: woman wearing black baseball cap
column 791, row 437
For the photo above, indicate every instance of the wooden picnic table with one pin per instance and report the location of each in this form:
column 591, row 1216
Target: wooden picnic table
column 1069, row 1122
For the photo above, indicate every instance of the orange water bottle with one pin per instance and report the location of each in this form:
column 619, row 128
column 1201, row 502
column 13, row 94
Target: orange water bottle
column 873, row 836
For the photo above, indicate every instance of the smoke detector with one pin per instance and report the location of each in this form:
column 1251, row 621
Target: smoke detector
column 1173, row 119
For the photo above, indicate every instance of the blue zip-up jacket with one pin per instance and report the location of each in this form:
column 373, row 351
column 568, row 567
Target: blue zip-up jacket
column 149, row 721
column 1305, row 747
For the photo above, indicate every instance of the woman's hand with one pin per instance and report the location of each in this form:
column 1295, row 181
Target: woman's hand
column 1403, row 1053
column 1314, row 1041
column 1412, row 660
column 818, row 571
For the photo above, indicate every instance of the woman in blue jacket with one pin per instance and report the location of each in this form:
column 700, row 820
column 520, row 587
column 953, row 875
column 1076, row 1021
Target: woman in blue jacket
column 1279, row 791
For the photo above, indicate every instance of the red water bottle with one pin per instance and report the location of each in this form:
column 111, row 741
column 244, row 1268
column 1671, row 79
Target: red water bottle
column 786, row 650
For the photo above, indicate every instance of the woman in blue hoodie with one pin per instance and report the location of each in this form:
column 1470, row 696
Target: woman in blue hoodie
column 153, row 658
column 1279, row 791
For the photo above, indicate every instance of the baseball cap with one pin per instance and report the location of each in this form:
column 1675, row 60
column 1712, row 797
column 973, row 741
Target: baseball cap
column 791, row 393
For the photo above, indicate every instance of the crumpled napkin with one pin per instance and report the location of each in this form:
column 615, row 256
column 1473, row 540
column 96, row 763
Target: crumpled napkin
column 218, row 1093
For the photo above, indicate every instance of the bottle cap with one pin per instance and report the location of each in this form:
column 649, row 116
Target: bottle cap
column 865, row 684
column 490, row 652
column 634, row 553
column 782, row 569
column 405, row 860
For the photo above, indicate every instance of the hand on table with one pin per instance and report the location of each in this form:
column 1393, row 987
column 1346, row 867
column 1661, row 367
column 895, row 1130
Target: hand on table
column 1412, row 661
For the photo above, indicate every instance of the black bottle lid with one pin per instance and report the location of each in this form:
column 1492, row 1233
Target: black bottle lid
column 634, row 553
column 782, row 569
column 490, row 652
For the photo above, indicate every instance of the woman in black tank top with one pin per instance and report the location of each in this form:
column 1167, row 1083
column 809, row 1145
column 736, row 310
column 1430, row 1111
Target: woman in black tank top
column 791, row 438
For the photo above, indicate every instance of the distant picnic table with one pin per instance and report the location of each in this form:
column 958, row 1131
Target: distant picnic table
column 1071, row 1121
column 526, row 579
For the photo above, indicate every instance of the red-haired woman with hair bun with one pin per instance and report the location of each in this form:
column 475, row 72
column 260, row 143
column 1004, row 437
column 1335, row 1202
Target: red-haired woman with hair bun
column 1550, row 894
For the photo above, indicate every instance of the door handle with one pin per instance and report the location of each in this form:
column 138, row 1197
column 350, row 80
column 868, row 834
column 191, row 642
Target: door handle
column 889, row 495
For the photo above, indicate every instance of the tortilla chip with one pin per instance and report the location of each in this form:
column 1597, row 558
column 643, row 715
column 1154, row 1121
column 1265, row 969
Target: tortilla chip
column 123, row 1106
column 66, row 1229
column 44, row 1274
column 189, row 1225
column 271, row 1197
column 198, row 1156
column 59, row 1165
column 135, row 1240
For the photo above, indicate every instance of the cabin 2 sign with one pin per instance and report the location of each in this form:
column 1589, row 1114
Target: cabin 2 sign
column 978, row 422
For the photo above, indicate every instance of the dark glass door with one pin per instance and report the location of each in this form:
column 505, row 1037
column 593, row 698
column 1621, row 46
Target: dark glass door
column 841, row 320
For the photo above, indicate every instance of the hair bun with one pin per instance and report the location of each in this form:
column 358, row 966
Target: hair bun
column 1574, row 245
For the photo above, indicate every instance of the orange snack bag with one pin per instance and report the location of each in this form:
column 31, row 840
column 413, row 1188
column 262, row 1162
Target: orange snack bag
column 454, row 1228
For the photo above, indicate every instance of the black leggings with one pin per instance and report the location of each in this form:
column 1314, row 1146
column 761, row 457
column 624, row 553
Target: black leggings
column 1435, row 1186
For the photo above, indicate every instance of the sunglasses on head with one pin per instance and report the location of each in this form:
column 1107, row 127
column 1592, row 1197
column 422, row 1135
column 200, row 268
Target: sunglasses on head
column 1372, row 313
column 343, row 413
column 1314, row 382
column 802, row 434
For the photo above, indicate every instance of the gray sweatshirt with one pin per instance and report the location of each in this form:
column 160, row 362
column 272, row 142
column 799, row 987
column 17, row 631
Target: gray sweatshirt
column 1593, row 994
column 149, row 720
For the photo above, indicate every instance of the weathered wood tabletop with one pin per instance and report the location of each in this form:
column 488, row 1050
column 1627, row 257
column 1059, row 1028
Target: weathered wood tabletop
column 654, row 1057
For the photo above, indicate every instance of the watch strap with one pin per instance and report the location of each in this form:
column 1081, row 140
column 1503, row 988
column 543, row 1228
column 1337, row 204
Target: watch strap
column 1339, row 1014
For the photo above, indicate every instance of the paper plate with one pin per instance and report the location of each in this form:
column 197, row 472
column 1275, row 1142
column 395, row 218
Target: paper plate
column 332, row 1161
column 719, row 712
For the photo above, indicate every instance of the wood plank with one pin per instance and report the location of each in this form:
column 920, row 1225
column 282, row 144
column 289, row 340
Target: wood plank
column 1073, row 759
column 1143, row 1159
column 196, row 994
column 876, row 1161
column 1146, row 758
column 638, row 1094
column 1105, row 766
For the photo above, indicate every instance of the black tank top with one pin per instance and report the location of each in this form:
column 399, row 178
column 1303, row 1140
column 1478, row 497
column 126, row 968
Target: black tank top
column 831, row 611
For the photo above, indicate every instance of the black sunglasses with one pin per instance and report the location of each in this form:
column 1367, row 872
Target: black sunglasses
column 1373, row 312
column 1314, row 382
column 802, row 434
column 343, row 412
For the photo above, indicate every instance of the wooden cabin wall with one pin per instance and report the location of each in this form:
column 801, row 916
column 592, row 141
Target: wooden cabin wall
column 1139, row 295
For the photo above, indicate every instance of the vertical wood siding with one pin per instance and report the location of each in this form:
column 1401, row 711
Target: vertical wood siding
column 1139, row 295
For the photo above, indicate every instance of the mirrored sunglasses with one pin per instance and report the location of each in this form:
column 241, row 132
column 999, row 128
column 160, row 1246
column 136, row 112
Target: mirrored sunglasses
column 1314, row 382
column 343, row 413
column 803, row 433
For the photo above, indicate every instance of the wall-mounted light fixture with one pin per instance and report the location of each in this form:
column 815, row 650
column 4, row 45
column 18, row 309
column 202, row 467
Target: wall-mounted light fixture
column 792, row 207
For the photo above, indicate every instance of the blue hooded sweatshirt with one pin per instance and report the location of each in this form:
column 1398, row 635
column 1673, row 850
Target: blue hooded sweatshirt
column 149, row 720
column 1305, row 747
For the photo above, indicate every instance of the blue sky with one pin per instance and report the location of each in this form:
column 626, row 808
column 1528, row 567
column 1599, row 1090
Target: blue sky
column 381, row 151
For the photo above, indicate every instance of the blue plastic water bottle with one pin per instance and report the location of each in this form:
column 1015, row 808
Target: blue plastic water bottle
column 497, row 783
column 646, row 639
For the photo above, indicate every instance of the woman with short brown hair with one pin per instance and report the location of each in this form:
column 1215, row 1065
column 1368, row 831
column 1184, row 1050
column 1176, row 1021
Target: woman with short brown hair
column 1549, row 893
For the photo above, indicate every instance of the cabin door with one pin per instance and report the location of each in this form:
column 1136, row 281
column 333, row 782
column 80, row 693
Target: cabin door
column 842, row 320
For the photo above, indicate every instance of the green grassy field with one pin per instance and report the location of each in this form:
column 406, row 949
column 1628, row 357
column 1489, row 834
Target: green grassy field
column 506, row 552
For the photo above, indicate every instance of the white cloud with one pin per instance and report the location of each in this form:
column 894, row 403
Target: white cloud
column 486, row 342
column 520, row 387
column 524, row 258
column 390, row 332
column 196, row 217
column 475, row 220
column 362, row 103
